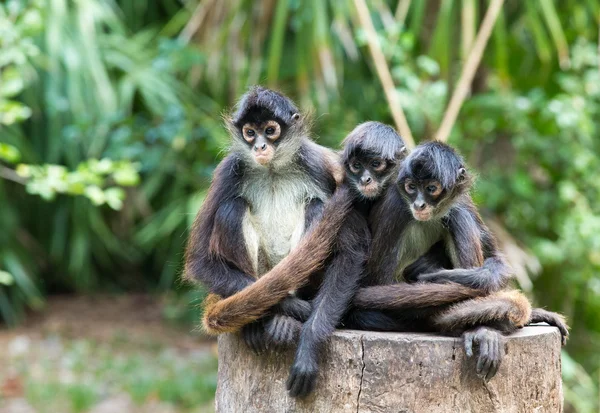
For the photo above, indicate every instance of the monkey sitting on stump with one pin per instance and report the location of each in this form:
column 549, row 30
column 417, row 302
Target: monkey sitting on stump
column 264, row 196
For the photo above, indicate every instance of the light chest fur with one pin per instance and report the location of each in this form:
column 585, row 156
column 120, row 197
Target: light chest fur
column 274, row 221
column 416, row 240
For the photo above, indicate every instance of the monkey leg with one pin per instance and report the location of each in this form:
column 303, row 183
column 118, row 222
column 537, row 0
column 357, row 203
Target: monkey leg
column 291, row 273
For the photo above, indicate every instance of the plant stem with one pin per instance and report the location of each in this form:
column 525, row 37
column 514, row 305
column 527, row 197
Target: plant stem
column 383, row 72
column 11, row 175
column 468, row 72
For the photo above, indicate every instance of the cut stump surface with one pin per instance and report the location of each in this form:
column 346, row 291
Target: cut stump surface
column 364, row 371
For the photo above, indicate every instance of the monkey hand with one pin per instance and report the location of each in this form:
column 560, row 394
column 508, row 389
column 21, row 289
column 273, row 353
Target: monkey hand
column 254, row 336
column 490, row 346
column 539, row 315
column 282, row 330
column 296, row 308
column 303, row 376
column 440, row 277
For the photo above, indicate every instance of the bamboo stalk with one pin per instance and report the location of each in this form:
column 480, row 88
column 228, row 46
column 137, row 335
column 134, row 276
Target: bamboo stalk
column 383, row 72
column 469, row 69
column 9, row 174
column 402, row 11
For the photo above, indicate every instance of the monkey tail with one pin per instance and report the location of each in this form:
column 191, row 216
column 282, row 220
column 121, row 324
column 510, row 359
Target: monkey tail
column 254, row 301
column 406, row 296
column 504, row 310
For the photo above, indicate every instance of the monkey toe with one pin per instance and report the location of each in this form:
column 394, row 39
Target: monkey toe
column 254, row 337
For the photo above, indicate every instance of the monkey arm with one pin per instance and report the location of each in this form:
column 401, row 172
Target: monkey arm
column 408, row 296
column 291, row 273
column 539, row 315
column 478, row 264
column 387, row 228
column 216, row 255
column 341, row 280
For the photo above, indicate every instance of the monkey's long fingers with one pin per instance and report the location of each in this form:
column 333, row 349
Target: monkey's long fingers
column 496, row 360
column 294, row 384
column 483, row 356
column 468, row 343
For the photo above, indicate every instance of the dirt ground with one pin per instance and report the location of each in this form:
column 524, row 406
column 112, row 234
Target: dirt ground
column 103, row 331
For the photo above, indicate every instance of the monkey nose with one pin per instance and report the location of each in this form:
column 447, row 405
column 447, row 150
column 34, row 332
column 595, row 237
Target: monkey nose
column 367, row 180
column 419, row 206
column 261, row 147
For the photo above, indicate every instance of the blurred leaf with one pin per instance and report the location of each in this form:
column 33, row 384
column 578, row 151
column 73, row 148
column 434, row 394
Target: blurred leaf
column 9, row 153
column 6, row 278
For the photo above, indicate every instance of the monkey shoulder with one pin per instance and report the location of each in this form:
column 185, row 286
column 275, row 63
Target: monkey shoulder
column 354, row 234
column 322, row 165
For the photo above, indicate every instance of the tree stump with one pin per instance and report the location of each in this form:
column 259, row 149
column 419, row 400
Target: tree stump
column 363, row 371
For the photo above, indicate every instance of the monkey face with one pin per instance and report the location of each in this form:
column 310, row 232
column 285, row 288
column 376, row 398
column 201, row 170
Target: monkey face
column 424, row 196
column 368, row 174
column 261, row 138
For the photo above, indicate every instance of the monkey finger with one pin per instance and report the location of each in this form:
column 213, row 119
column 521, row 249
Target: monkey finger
column 468, row 343
column 308, row 385
column 495, row 359
column 483, row 355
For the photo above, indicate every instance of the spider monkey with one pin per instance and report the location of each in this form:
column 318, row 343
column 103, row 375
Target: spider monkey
column 423, row 223
column 371, row 154
column 265, row 194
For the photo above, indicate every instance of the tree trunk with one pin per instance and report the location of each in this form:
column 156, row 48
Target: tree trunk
column 390, row 372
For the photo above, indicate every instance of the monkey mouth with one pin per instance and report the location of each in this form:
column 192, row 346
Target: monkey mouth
column 263, row 159
column 369, row 191
column 424, row 215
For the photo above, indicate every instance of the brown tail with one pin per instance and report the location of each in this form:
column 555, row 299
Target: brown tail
column 507, row 310
column 227, row 315
column 405, row 296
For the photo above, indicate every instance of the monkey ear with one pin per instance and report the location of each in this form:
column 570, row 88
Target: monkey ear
column 295, row 116
column 462, row 172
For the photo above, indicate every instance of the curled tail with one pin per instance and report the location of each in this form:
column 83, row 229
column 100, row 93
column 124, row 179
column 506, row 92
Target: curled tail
column 406, row 296
column 504, row 310
column 254, row 301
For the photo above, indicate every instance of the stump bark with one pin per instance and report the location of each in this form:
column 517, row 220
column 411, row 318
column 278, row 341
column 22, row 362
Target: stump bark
column 396, row 372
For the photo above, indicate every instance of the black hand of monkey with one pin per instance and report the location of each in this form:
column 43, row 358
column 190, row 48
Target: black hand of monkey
column 254, row 336
column 303, row 377
column 490, row 346
column 296, row 307
column 282, row 330
column 539, row 315
column 433, row 277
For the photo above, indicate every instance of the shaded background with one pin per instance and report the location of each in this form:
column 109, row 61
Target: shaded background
column 110, row 129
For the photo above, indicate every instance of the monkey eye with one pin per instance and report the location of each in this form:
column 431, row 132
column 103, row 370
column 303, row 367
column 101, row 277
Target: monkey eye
column 434, row 189
column 270, row 131
column 378, row 165
column 250, row 132
column 356, row 165
column 410, row 187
